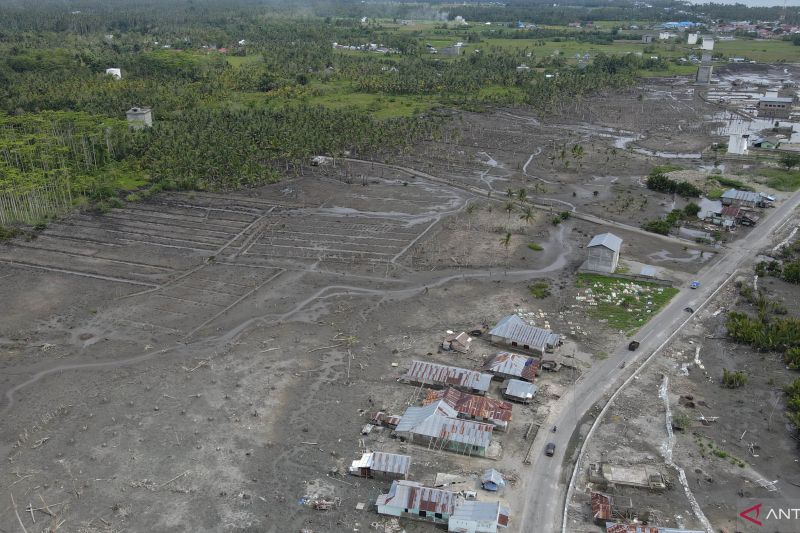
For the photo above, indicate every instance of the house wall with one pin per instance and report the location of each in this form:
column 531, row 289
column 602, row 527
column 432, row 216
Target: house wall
column 602, row 259
column 391, row 510
column 471, row 526
column 502, row 341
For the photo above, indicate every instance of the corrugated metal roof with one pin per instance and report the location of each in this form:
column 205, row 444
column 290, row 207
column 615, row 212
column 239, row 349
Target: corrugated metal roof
column 731, row 211
column 601, row 506
column 493, row 476
column 512, row 364
column 434, row 373
column 383, row 462
column 431, row 421
column 776, row 99
column 521, row 389
column 414, row 496
column 472, row 405
column 514, row 329
column 741, row 196
column 609, row 240
column 477, row 511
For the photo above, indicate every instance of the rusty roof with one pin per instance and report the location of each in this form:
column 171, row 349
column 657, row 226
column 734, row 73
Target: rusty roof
column 384, row 462
column 601, row 506
column 438, row 420
column 434, row 373
column 416, row 497
column 511, row 364
column 472, row 405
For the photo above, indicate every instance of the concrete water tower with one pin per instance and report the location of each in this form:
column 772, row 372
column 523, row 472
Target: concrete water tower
column 139, row 117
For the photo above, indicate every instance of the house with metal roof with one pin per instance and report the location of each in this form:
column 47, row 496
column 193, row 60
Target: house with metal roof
column 518, row 391
column 507, row 365
column 473, row 407
column 775, row 106
column 471, row 516
column 412, row 499
column 492, row 480
column 603, row 253
column 437, row 426
column 381, row 464
column 514, row 332
column 742, row 198
column 436, row 375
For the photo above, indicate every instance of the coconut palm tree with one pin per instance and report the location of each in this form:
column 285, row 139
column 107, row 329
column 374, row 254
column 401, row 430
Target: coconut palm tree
column 509, row 208
column 527, row 215
column 522, row 195
column 506, row 242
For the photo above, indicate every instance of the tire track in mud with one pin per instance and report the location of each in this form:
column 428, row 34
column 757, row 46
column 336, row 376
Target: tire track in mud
column 334, row 290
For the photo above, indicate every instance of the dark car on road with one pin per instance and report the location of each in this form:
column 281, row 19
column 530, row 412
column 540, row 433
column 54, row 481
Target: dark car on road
column 550, row 449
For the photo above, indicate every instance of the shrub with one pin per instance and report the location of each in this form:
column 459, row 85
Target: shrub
column 733, row 380
column 691, row 210
column 535, row 247
column 7, row 233
column 540, row 289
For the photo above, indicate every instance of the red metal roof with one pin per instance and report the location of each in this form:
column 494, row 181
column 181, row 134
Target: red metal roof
column 472, row 405
column 601, row 506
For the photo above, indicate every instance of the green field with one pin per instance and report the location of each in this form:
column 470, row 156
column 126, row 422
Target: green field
column 625, row 305
column 780, row 179
column 763, row 51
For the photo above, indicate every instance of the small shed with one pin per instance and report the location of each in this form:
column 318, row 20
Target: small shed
column 518, row 391
column 139, row 117
column 380, row 464
column 647, row 39
column 456, row 342
column 510, row 365
column 603, row 253
column 492, row 480
column 115, row 73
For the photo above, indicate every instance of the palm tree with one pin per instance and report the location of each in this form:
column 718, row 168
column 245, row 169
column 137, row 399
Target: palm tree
column 510, row 192
column 527, row 215
column 506, row 241
column 522, row 195
column 509, row 208
column 470, row 211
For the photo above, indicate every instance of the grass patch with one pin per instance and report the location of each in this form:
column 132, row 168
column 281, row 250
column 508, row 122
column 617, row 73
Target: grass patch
column 715, row 194
column 6, row 233
column 730, row 182
column 535, row 247
column 780, row 179
column 625, row 305
column 540, row 289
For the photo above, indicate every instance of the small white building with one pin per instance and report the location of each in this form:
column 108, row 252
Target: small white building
column 518, row 391
column 691, row 38
column 460, row 20
column 664, row 35
column 603, row 253
column 737, row 144
column 115, row 73
column 471, row 516
column 140, row 117
column 708, row 43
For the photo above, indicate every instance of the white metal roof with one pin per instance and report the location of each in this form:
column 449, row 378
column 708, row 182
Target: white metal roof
column 383, row 462
column 513, row 328
column 474, row 510
column 742, row 196
column 521, row 389
column 609, row 240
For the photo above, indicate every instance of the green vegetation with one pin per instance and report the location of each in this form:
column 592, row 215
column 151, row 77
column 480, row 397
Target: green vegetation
column 561, row 217
column 661, row 183
column 733, row 379
column 764, row 334
column 663, row 226
column 790, row 160
column 781, row 179
column 535, row 247
column 540, row 289
column 730, row 182
column 7, row 233
column 793, row 402
column 625, row 305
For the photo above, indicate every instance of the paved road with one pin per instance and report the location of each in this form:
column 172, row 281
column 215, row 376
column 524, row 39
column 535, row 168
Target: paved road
column 543, row 484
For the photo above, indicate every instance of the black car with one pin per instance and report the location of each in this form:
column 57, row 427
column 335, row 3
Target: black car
column 689, row 310
column 550, row 449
